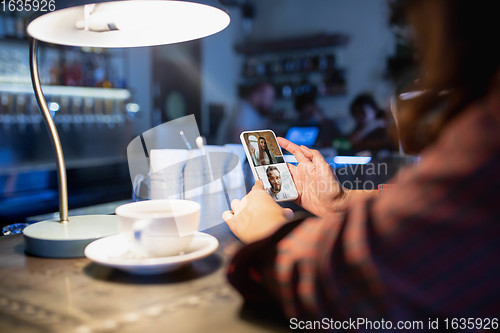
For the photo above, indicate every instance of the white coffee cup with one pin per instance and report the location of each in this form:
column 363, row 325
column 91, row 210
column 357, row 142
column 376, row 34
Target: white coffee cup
column 159, row 228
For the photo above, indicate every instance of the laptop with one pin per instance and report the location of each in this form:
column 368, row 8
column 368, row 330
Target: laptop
column 306, row 135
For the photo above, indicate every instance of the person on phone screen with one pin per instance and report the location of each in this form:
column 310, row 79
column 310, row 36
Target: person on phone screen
column 274, row 178
column 264, row 155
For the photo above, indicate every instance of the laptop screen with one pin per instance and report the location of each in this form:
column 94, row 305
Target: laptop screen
column 302, row 135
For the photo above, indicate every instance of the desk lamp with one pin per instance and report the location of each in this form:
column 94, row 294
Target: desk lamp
column 115, row 24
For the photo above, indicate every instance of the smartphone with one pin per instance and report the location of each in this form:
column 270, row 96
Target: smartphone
column 268, row 164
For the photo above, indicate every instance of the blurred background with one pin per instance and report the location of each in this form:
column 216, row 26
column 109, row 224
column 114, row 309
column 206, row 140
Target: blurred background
column 318, row 57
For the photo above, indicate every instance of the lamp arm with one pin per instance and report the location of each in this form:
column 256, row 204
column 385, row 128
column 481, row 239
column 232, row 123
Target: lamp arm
column 42, row 103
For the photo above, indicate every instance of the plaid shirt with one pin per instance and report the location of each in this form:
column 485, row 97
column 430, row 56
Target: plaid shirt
column 428, row 248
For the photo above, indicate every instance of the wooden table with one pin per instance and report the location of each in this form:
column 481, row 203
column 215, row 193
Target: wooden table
column 77, row 295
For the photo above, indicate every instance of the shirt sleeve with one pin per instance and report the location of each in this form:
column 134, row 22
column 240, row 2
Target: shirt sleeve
column 295, row 267
column 426, row 248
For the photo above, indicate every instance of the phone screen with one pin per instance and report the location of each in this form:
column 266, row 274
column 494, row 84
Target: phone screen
column 267, row 164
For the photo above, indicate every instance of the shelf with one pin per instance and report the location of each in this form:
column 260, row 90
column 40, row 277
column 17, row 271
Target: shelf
column 297, row 43
column 333, row 91
column 295, row 73
column 309, row 67
column 7, row 170
column 67, row 91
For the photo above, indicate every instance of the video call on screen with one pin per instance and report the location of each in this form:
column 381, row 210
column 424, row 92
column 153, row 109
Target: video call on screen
column 263, row 148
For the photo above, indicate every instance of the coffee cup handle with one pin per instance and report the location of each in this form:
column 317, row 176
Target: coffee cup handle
column 138, row 228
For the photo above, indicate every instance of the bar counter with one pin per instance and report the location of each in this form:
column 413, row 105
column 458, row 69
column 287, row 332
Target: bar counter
column 77, row 295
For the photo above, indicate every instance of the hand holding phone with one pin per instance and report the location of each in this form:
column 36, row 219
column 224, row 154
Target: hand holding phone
column 267, row 164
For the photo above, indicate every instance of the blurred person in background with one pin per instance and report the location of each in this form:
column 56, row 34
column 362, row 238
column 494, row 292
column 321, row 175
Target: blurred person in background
column 428, row 247
column 372, row 126
column 310, row 114
column 251, row 113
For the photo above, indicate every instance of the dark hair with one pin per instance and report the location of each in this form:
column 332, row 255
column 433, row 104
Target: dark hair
column 357, row 105
column 304, row 99
column 271, row 168
column 455, row 43
column 263, row 151
column 247, row 90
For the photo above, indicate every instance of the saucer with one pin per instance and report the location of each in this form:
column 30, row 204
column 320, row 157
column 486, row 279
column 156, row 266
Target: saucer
column 114, row 251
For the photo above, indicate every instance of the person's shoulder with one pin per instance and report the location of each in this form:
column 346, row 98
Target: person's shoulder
column 477, row 125
column 241, row 107
column 249, row 118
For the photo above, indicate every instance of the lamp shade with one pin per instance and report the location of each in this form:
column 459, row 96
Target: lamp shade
column 131, row 23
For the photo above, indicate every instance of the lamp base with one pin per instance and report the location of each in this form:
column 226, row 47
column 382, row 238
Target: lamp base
column 53, row 239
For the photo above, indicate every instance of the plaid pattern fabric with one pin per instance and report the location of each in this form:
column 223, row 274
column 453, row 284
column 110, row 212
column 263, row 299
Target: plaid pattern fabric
column 385, row 187
column 429, row 247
